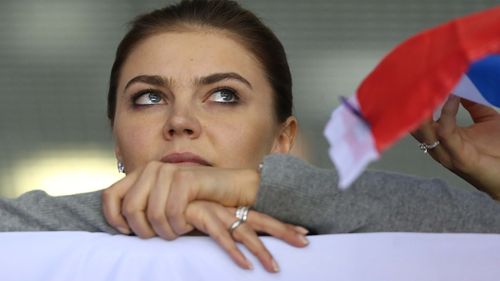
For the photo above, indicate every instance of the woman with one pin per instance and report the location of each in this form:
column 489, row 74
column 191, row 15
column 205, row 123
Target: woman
column 192, row 105
column 200, row 93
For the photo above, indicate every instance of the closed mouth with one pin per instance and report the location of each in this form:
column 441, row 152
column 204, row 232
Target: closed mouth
column 185, row 157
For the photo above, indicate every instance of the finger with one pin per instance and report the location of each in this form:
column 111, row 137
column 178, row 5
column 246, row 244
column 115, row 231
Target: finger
column 183, row 190
column 478, row 112
column 205, row 220
column 135, row 202
column 447, row 131
column 236, row 187
column 157, row 202
column 111, row 203
column 247, row 236
column 293, row 235
column 448, row 120
column 426, row 132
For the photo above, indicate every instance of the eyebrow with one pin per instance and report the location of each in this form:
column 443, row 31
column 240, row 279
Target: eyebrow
column 216, row 77
column 160, row 81
column 154, row 80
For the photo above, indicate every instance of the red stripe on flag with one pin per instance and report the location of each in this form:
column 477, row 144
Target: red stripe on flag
column 413, row 79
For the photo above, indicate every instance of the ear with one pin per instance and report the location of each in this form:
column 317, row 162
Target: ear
column 118, row 153
column 286, row 137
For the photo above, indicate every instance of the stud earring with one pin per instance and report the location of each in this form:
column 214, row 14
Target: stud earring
column 121, row 167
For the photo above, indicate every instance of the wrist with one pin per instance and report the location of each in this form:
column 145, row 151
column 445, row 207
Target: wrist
column 487, row 183
column 249, row 187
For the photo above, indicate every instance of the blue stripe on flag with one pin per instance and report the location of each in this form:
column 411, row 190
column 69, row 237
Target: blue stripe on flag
column 485, row 75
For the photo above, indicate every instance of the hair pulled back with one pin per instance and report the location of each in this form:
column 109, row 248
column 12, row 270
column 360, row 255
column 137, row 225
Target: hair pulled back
column 222, row 15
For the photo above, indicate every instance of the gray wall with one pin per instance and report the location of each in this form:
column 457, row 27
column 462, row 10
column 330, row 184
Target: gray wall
column 55, row 56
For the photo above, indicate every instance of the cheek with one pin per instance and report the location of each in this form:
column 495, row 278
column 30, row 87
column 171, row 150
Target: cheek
column 243, row 144
column 134, row 141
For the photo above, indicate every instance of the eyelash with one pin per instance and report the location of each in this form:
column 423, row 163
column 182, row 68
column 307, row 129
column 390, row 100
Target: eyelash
column 141, row 93
column 228, row 89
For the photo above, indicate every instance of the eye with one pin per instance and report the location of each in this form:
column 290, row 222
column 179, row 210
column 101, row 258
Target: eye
column 148, row 97
column 224, row 96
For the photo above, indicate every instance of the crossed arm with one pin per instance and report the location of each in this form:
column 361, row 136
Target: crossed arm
column 289, row 190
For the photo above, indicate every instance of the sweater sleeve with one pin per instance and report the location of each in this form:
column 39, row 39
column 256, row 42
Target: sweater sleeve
column 37, row 211
column 298, row 193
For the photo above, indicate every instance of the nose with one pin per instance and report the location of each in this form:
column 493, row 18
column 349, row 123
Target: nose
column 182, row 124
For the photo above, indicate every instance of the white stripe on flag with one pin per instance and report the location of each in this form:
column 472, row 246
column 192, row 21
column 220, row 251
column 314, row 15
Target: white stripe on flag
column 467, row 90
column 464, row 89
column 352, row 146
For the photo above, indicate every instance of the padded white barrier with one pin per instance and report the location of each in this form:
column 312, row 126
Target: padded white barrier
column 377, row 256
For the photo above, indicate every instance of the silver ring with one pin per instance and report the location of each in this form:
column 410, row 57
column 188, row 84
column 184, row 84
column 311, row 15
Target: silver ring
column 234, row 225
column 242, row 213
column 426, row 147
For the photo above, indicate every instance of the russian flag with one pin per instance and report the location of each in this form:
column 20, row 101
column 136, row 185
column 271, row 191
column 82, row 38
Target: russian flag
column 460, row 57
column 481, row 83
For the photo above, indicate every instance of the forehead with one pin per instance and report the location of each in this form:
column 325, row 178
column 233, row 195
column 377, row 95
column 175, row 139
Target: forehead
column 183, row 56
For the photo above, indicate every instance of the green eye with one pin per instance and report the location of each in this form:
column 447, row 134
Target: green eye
column 224, row 96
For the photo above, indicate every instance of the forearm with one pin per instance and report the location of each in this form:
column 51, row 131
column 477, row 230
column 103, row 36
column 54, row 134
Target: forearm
column 296, row 192
column 287, row 193
column 37, row 211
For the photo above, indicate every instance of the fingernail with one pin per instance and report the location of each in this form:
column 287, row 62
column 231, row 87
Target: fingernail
column 123, row 230
column 301, row 230
column 249, row 265
column 304, row 240
column 275, row 266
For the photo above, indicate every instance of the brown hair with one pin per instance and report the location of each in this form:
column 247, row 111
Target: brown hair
column 221, row 15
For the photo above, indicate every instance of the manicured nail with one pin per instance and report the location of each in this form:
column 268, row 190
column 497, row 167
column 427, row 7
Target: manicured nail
column 304, row 240
column 275, row 266
column 123, row 230
column 301, row 230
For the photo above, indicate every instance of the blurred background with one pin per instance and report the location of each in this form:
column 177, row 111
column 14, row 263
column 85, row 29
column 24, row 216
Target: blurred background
column 55, row 58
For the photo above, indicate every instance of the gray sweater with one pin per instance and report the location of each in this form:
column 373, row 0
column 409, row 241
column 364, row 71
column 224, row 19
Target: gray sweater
column 298, row 193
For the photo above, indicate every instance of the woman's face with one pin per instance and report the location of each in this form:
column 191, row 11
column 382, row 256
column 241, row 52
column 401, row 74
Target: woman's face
column 196, row 98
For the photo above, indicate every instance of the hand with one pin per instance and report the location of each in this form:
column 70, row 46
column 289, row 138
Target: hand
column 153, row 200
column 145, row 202
column 472, row 152
column 213, row 219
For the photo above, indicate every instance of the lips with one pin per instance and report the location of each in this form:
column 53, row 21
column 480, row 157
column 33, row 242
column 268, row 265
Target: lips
column 185, row 157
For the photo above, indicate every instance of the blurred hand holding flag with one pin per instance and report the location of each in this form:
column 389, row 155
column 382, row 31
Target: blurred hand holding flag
column 460, row 57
